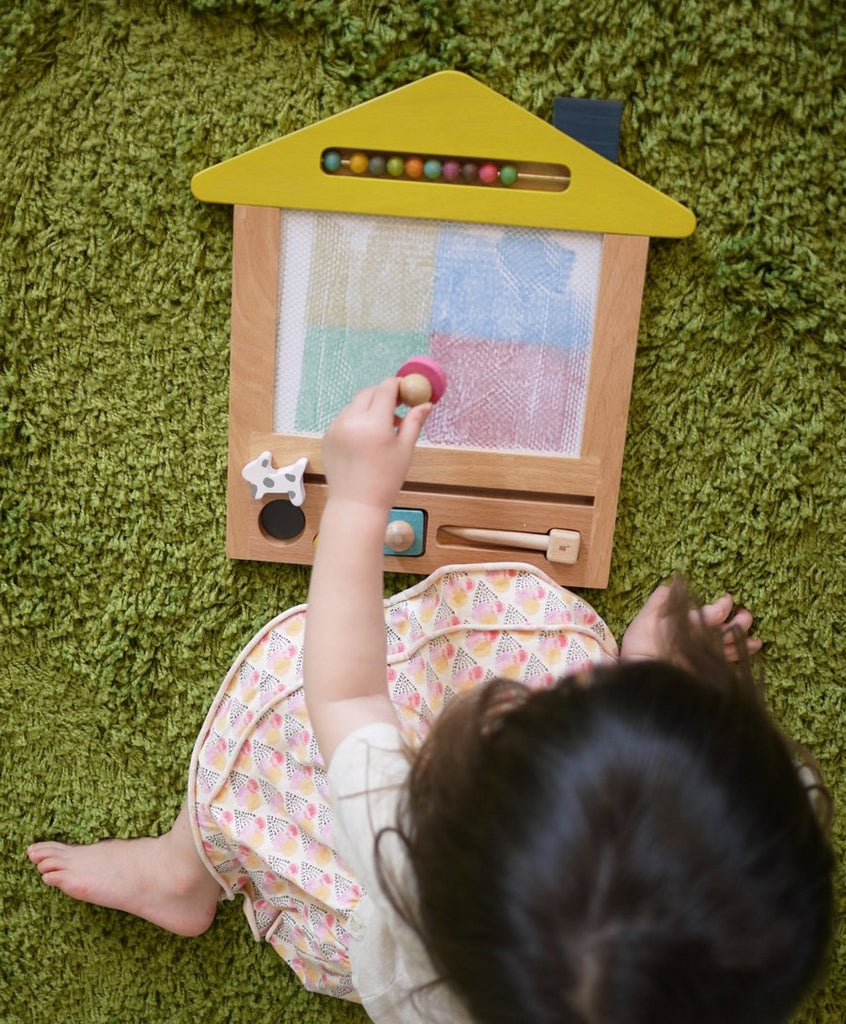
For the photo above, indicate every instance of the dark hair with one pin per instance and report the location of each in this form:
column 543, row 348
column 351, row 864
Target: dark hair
column 635, row 847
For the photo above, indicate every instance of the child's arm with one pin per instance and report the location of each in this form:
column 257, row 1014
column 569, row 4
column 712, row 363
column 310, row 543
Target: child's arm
column 366, row 458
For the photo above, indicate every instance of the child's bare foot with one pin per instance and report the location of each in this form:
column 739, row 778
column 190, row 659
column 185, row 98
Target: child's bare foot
column 162, row 880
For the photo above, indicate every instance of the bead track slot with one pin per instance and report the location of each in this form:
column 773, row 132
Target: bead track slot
column 445, row 170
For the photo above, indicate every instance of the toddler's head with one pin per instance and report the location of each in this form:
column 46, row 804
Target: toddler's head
column 632, row 847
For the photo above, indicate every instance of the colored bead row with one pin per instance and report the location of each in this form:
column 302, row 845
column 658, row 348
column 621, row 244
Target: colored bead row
column 417, row 168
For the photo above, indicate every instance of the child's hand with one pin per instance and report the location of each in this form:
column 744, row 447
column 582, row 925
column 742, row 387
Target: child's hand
column 644, row 637
column 367, row 448
column 719, row 618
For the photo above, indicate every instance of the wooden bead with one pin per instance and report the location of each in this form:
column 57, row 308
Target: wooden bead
column 488, row 173
column 432, row 169
column 399, row 535
column 331, row 161
column 451, row 170
column 508, row 175
column 415, row 389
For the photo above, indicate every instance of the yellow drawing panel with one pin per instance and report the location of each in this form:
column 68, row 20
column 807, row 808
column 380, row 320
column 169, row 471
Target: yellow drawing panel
column 360, row 270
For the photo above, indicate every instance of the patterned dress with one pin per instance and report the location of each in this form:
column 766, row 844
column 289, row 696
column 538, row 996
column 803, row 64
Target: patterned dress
column 257, row 786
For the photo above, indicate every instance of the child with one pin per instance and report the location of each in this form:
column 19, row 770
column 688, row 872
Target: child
column 630, row 843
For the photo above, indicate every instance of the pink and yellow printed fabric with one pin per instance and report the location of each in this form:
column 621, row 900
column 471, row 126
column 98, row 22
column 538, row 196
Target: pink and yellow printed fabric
column 257, row 786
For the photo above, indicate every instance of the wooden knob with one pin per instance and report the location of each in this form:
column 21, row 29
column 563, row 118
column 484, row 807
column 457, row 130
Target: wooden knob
column 431, row 372
column 399, row 535
column 415, row 389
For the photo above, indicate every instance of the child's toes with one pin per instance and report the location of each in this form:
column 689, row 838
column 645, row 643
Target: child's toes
column 37, row 852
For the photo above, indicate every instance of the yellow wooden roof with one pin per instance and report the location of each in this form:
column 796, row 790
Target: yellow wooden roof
column 446, row 114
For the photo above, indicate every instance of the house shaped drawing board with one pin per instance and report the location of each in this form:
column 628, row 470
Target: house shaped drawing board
column 441, row 220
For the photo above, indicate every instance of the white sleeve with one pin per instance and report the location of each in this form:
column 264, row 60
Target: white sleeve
column 366, row 775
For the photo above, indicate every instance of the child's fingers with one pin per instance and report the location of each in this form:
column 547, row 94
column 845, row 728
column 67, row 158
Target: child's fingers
column 386, row 395
column 412, row 423
column 716, row 613
column 751, row 645
column 731, row 627
column 737, row 627
column 363, row 399
column 742, row 620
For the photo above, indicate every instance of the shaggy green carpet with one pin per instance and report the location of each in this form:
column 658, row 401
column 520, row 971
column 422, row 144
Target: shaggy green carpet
column 120, row 613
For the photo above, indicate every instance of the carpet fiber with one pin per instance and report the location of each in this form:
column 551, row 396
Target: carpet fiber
column 120, row 613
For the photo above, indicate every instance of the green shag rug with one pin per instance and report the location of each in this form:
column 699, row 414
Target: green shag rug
column 120, row 613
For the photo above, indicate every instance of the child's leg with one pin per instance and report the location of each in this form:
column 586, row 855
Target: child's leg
column 160, row 879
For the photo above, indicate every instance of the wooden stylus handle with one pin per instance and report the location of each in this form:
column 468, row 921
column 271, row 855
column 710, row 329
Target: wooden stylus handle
column 560, row 546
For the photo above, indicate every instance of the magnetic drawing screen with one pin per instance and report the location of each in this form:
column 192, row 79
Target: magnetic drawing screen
column 508, row 312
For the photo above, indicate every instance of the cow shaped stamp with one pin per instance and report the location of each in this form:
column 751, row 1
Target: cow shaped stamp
column 264, row 478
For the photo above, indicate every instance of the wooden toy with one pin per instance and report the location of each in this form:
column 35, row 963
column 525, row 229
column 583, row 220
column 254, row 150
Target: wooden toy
column 422, row 380
column 415, row 389
column 399, row 536
column 560, row 546
column 442, row 221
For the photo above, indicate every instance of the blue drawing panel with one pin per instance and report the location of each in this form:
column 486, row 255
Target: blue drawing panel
column 509, row 285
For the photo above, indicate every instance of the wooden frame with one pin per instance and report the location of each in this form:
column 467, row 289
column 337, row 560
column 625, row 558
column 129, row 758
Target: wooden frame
column 459, row 487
